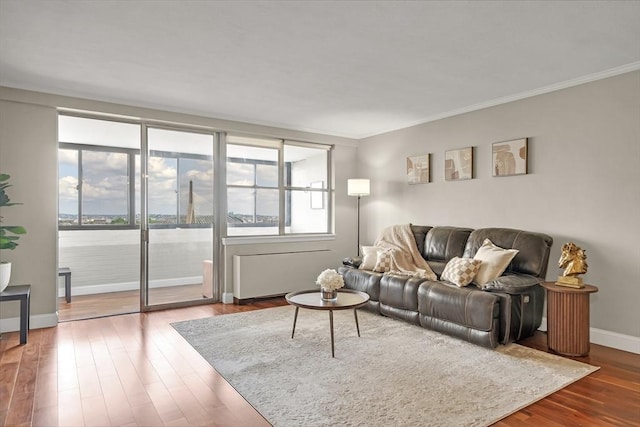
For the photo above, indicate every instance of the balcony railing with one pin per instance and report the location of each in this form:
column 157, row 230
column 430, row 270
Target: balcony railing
column 109, row 260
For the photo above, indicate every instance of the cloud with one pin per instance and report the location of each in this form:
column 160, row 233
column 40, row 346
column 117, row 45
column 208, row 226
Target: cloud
column 68, row 194
column 162, row 168
column 104, row 163
column 68, row 157
column 240, row 174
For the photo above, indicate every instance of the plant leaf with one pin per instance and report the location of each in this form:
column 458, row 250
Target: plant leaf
column 6, row 244
column 15, row 229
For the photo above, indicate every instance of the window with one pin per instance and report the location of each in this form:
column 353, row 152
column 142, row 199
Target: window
column 276, row 187
column 97, row 168
column 306, row 191
column 252, row 190
column 95, row 188
column 273, row 186
column 180, row 178
column 177, row 182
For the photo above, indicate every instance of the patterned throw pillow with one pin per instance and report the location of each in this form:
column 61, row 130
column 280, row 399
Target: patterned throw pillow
column 383, row 264
column 461, row 271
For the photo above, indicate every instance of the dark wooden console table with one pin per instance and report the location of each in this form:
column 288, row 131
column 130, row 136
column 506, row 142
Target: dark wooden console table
column 20, row 293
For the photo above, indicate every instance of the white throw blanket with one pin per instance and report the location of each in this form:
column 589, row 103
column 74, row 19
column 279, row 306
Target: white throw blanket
column 405, row 257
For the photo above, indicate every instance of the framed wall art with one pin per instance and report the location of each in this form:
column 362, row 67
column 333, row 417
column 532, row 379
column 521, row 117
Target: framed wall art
column 509, row 157
column 418, row 171
column 458, row 164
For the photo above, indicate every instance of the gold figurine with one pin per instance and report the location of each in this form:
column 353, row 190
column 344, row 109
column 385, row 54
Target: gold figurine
column 574, row 262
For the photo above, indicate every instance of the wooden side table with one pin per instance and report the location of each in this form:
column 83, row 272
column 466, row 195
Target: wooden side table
column 568, row 319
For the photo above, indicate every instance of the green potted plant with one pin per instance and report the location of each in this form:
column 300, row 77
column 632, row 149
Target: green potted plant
column 9, row 234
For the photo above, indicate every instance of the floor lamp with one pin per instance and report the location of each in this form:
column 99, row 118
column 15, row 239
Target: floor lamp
column 358, row 187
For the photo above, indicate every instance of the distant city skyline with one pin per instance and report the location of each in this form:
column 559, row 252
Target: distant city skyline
column 232, row 218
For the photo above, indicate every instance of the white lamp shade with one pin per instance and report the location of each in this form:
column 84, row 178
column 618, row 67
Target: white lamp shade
column 358, row 187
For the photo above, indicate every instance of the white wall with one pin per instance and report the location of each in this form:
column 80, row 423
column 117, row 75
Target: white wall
column 28, row 149
column 583, row 185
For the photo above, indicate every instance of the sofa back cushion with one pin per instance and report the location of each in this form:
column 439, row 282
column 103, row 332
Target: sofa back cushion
column 443, row 243
column 534, row 248
column 420, row 234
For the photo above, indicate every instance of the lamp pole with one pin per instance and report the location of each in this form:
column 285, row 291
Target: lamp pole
column 358, row 226
column 358, row 187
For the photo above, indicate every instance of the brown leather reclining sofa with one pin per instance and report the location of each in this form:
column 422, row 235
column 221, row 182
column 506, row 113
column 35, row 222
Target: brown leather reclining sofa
column 508, row 309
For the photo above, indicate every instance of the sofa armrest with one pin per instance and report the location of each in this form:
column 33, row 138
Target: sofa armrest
column 352, row 261
column 513, row 283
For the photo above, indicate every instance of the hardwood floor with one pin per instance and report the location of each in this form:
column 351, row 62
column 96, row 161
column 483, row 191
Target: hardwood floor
column 108, row 304
column 135, row 370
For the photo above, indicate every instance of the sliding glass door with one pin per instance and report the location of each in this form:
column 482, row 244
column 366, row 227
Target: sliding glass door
column 98, row 229
column 178, row 232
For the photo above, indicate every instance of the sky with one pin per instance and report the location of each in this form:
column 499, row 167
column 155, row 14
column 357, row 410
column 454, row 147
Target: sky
column 105, row 184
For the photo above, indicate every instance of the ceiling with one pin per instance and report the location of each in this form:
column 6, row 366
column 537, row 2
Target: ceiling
column 346, row 68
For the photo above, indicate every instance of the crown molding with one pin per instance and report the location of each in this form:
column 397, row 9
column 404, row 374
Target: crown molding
column 612, row 72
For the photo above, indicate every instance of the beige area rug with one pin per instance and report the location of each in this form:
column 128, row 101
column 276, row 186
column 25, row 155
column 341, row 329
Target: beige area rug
column 395, row 374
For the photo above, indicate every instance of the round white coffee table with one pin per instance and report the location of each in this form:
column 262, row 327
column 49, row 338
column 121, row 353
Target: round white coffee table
column 347, row 299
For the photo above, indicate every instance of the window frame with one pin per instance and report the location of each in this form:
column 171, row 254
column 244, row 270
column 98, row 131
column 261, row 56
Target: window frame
column 131, row 172
column 284, row 190
column 131, row 153
column 255, row 186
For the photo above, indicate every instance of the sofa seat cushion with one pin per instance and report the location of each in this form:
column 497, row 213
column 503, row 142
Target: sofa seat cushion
column 513, row 283
column 400, row 291
column 399, row 297
column 467, row 307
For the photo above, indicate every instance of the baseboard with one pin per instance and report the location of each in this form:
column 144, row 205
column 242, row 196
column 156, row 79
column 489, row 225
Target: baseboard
column 128, row 286
column 615, row 340
column 608, row 339
column 227, row 297
column 37, row 321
